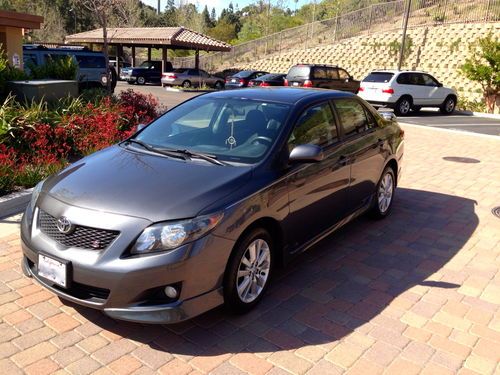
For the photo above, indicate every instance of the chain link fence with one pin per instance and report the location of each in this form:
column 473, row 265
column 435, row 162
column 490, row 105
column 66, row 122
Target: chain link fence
column 366, row 21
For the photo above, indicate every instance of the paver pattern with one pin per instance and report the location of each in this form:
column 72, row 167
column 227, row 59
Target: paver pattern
column 418, row 292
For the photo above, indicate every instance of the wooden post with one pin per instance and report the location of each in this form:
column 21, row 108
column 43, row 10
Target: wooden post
column 164, row 58
column 370, row 23
column 197, row 59
column 149, row 53
column 119, row 54
column 133, row 55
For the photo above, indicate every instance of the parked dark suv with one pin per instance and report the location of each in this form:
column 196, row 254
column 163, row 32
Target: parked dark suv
column 148, row 71
column 321, row 76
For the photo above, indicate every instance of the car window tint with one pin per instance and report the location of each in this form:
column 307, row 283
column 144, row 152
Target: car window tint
column 316, row 126
column 353, row 116
column 332, row 73
column 403, row 79
column 428, row 80
column 90, row 62
column 343, row 74
column 319, row 73
column 29, row 59
column 416, row 79
column 381, row 77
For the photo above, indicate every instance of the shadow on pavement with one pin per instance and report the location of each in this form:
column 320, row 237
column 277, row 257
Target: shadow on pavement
column 336, row 287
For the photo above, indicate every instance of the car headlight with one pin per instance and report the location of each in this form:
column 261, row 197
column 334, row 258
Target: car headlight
column 35, row 193
column 168, row 236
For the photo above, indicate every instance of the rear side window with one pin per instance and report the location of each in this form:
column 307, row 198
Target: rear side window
column 320, row 73
column 353, row 116
column 316, row 126
column 29, row 59
column 379, row 77
column 91, row 62
column 299, row 72
column 403, row 79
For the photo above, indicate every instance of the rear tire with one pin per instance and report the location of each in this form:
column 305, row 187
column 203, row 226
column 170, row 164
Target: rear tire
column 403, row 106
column 218, row 85
column 186, row 84
column 248, row 271
column 141, row 80
column 448, row 106
column 384, row 194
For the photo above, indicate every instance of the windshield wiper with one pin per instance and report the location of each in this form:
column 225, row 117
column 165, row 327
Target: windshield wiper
column 168, row 153
column 207, row 157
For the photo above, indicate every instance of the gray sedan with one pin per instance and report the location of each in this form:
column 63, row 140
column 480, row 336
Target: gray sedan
column 191, row 77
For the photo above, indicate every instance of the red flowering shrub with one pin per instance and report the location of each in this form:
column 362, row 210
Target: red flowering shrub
column 35, row 150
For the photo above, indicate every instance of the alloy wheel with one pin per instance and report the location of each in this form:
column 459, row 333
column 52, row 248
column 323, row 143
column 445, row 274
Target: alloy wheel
column 253, row 271
column 404, row 107
column 385, row 192
column 450, row 106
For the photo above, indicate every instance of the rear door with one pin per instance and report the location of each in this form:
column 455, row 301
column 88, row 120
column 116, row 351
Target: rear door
column 364, row 147
column 417, row 89
column 322, row 77
column 317, row 191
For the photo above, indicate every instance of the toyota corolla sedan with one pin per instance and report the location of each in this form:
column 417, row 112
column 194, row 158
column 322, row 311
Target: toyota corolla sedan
column 197, row 208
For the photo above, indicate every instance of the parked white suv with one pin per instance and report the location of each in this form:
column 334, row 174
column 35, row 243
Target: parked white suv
column 407, row 90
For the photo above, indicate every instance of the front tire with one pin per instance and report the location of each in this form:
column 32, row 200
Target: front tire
column 448, row 106
column 186, row 84
column 248, row 271
column 403, row 106
column 218, row 85
column 384, row 195
column 141, row 80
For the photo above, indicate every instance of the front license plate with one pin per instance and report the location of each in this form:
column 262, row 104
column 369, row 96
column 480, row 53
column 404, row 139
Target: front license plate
column 52, row 270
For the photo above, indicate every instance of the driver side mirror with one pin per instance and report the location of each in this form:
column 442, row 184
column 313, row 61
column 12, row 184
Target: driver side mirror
column 140, row 127
column 307, row 153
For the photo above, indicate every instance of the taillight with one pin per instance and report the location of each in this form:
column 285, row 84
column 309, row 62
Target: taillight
column 228, row 79
column 307, row 83
column 251, row 83
column 242, row 81
column 167, row 75
column 285, row 83
column 388, row 91
column 361, row 89
column 265, row 84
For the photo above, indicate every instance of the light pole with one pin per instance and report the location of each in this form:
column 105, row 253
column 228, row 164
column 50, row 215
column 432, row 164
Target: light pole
column 159, row 5
column 405, row 26
column 74, row 16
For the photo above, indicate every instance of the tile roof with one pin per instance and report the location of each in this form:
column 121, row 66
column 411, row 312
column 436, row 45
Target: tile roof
column 168, row 36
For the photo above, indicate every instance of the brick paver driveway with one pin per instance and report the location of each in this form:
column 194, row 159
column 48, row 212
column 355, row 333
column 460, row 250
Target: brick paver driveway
column 417, row 292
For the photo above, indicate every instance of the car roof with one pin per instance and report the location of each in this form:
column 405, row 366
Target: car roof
column 286, row 95
column 395, row 71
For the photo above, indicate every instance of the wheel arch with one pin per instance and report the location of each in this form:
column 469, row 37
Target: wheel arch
column 275, row 230
column 394, row 166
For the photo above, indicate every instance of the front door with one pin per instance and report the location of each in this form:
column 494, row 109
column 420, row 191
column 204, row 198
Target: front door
column 317, row 191
column 365, row 147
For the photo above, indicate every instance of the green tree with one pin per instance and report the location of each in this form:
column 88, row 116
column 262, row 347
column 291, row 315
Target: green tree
column 207, row 21
column 483, row 66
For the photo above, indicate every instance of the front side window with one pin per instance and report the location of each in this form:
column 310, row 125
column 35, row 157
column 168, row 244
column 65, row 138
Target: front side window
column 353, row 116
column 232, row 129
column 429, row 81
column 315, row 126
column 343, row 75
column 403, row 79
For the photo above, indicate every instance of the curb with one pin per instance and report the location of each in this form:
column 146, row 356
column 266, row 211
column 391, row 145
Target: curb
column 171, row 89
column 454, row 131
column 14, row 203
column 479, row 114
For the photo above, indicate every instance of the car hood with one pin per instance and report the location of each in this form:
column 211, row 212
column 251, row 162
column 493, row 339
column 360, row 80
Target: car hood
column 156, row 188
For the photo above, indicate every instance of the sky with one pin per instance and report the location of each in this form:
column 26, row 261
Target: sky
column 221, row 4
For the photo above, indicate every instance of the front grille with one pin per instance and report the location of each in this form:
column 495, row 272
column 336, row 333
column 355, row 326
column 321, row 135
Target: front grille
column 82, row 237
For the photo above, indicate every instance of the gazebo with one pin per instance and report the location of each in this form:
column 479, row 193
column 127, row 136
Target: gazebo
column 163, row 38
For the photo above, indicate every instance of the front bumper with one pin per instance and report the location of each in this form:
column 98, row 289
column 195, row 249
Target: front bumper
column 121, row 286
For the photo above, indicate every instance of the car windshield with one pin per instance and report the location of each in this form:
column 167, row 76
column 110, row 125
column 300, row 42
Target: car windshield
column 231, row 129
column 299, row 72
column 379, row 77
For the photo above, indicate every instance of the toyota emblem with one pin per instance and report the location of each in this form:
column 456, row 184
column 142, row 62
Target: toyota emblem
column 64, row 225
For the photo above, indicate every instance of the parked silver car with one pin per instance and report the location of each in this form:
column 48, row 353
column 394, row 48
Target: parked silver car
column 191, row 77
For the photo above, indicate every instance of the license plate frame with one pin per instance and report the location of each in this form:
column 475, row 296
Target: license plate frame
column 55, row 270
